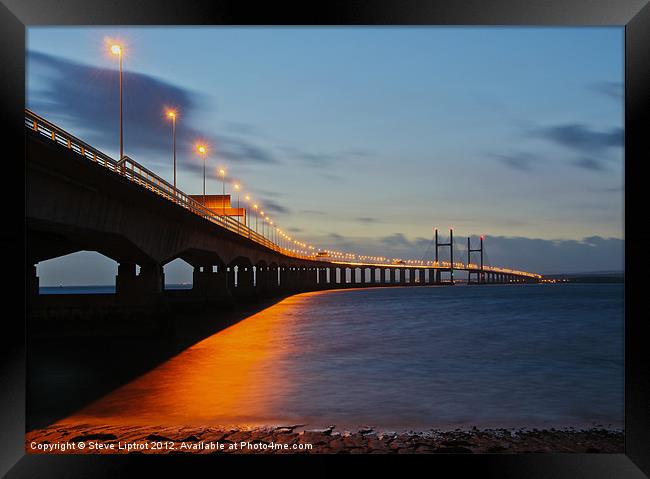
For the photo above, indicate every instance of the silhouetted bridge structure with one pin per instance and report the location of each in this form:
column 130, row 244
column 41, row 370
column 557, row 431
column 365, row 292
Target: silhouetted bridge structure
column 80, row 199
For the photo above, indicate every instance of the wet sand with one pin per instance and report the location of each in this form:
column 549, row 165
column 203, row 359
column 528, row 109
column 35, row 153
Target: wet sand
column 294, row 439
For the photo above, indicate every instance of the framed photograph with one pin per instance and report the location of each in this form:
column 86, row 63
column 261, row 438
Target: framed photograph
column 402, row 229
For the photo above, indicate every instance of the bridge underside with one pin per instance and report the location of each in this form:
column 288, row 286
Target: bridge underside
column 75, row 205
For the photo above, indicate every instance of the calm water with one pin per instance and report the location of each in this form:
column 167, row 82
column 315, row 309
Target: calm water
column 398, row 358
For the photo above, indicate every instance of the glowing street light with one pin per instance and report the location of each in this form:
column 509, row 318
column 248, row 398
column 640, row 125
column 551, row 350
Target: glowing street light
column 118, row 50
column 172, row 114
column 202, row 150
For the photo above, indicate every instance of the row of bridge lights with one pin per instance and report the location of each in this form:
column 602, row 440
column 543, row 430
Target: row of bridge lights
column 279, row 237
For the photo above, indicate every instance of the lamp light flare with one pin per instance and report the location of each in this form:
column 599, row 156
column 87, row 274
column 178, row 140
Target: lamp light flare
column 116, row 49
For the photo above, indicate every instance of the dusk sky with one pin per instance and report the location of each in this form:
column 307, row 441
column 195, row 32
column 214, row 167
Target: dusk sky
column 365, row 139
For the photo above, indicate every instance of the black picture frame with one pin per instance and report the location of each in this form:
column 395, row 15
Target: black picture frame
column 16, row 15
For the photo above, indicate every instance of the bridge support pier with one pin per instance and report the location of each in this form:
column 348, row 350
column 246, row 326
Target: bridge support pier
column 332, row 277
column 273, row 277
column 311, row 280
column 288, row 277
column 244, row 279
column 284, row 277
column 150, row 281
column 208, row 283
column 32, row 280
column 262, row 278
column 126, row 279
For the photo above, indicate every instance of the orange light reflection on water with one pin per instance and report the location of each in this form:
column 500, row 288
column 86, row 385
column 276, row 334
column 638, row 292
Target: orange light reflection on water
column 225, row 379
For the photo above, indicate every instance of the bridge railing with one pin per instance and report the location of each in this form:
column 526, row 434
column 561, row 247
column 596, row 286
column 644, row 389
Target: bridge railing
column 146, row 178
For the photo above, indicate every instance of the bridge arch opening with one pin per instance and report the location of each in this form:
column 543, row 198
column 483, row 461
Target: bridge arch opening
column 81, row 272
column 179, row 274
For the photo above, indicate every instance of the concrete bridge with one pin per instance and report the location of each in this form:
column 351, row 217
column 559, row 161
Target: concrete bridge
column 80, row 199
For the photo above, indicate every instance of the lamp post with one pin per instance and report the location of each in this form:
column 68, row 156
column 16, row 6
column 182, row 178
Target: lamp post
column 236, row 185
column 202, row 150
column 118, row 50
column 237, row 189
column 172, row 115
column 222, row 173
column 255, row 208
column 247, row 212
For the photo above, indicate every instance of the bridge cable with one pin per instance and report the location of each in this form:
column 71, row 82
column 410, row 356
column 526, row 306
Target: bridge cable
column 428, row 250
column 486, row 258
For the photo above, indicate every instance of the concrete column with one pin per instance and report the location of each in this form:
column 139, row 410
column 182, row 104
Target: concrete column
column 199, row 281
column 284, row 276
column 208, row 283
column 362, row 276
column 151, row 279
column 432, row 276
column 273, row 277
column 261, row 278
column 126, row 279
column 300, row 277
column 332, row 280
column 402, row 275
column 244, row 278
column 32, row 281
column 294, row 276
column 391, row 275
column 230, row 273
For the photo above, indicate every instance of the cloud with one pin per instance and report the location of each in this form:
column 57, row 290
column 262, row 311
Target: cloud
column 581, row 138
column 367, row 219
column 85, row 98
column 589, row 164
column 271, row 206
column 518, row 161
column 610, row 89
column 396, row 239
column 323, row 159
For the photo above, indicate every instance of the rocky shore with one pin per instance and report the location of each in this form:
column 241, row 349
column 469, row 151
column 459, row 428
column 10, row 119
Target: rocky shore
column 86, row 439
